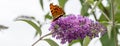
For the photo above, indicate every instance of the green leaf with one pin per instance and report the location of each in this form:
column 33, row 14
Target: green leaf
column 38, row 32
column 86, row 41
column 102, row 18
column 117, row 29
column 106, row 41
column 117, row 17
column 51, row 42
column 90, row 1
column 105, row 23
column 2, row 27
column 118, row 25
column 85, row 7
column 117, row 10
column 47, row 16
column 117, row 2
column 41, row 3
column 106, row 10
column 35, row 26
column 82, row 1
column 62, row 3
column 117, row 6
column 74, row 41
column 105, row 16
column 84, row 10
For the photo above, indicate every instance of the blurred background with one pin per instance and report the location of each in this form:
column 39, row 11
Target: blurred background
column 22, row 34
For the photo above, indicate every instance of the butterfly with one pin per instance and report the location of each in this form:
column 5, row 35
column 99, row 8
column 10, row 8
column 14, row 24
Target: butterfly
column 56, row 11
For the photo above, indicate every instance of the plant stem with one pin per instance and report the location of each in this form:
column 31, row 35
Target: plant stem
column 41, row 38
column 92, row 10
column 95, row 16
column 106, row 16
column 113, row 22
column 97, row 3
column 104, row 11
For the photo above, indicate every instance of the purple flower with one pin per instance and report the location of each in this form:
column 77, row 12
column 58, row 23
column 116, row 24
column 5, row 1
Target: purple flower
column 74, row 27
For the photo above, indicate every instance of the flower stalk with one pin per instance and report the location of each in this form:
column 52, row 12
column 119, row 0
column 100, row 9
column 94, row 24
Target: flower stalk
column 41, row 38
column 113, row 22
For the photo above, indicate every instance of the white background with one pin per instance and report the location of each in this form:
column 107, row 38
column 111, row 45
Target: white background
column 22, row 34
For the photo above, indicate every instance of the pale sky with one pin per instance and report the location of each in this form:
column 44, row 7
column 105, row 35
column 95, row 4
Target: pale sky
column 22, row 34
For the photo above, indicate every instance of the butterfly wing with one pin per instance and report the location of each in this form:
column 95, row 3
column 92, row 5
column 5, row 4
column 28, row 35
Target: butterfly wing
column 56, row 11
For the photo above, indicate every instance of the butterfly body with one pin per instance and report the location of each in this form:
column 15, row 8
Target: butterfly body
column 56, row 11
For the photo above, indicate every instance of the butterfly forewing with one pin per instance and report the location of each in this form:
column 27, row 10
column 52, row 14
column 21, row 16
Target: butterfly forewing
column 56, row 11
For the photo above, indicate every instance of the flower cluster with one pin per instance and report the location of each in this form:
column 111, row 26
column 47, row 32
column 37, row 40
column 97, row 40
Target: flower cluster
column 74, row 27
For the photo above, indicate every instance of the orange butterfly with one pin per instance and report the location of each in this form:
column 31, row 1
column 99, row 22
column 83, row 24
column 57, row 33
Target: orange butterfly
column 56, row 11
